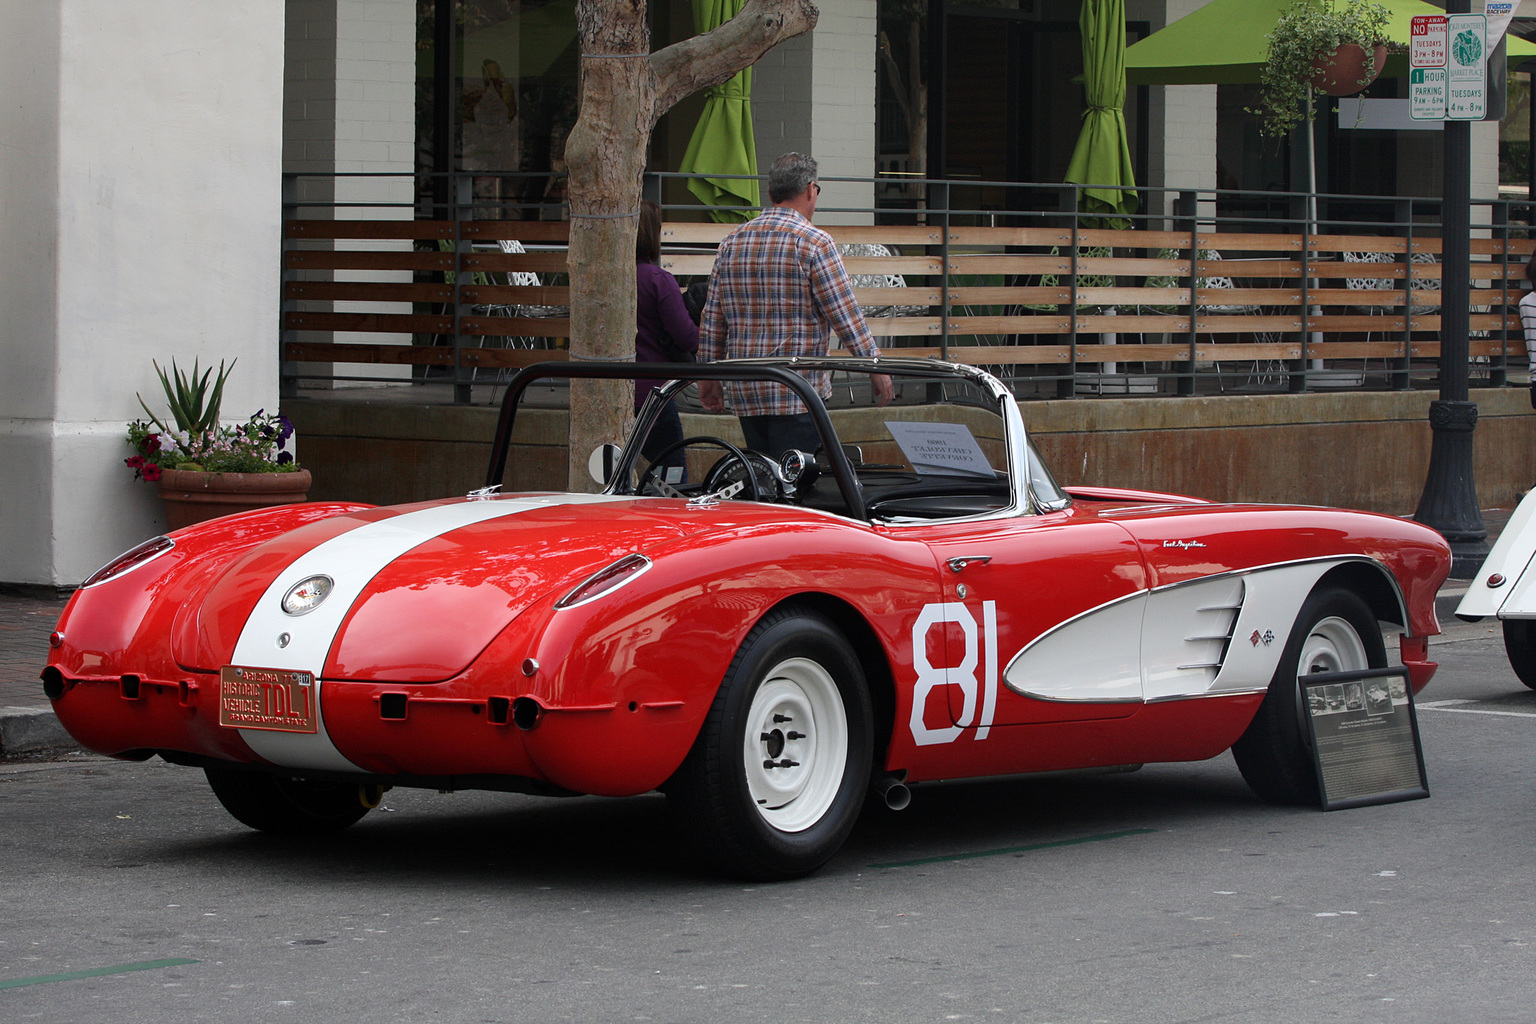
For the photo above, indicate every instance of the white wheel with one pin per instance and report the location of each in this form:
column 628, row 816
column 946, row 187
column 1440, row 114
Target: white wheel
column 796, row 745
column 1332, row 645
column 1334, row 632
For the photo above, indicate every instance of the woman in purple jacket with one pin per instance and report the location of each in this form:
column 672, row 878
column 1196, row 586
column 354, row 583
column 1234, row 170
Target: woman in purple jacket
column 665, row 332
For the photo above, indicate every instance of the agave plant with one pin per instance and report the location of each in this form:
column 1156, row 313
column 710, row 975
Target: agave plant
column 194, row 407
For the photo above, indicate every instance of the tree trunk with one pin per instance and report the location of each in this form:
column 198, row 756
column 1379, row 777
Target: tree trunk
column 624, row 90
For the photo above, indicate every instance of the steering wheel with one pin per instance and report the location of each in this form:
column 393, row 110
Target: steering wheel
column 937, row 489
column 732, row 453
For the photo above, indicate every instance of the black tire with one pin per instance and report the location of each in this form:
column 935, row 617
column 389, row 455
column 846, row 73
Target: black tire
column 1275, row 754
column 1520, row 648
column 794, row 698
column 287, row 807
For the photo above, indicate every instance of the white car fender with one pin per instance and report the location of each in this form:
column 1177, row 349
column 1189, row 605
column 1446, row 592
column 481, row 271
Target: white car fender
column 1505, row 585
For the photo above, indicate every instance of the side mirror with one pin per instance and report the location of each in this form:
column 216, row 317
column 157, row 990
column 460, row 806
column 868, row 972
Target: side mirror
column 602, row 463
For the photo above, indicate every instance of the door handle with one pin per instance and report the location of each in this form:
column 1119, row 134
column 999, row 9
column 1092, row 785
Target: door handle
column 959, row 562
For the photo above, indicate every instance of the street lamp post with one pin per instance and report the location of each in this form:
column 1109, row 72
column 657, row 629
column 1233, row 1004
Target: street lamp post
column 1449, row 502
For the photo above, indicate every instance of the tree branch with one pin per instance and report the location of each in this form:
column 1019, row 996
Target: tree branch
column 690, row 65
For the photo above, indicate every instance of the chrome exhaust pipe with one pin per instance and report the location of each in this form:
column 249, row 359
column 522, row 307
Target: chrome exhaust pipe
column 892, row 788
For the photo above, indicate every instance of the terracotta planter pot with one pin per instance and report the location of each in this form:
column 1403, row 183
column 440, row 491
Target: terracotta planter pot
column 1342, row 73
column 191, row 496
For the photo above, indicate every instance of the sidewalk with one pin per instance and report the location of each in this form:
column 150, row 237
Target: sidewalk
column 26, row 717
column 27, row 722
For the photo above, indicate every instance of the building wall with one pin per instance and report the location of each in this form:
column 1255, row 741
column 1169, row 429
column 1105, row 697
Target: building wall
column 140, row 175
column 835, row 64
column 29, row 285
column 349, row 107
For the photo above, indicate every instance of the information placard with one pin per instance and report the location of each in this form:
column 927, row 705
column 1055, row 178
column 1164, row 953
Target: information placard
column 941, row 448
column 1365, row 737
column 1448, row 67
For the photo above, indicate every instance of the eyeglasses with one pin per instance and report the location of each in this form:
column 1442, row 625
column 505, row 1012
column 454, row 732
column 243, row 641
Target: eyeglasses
column 817, row 186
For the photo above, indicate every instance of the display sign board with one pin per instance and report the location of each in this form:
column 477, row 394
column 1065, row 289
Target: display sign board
column 1365, row 737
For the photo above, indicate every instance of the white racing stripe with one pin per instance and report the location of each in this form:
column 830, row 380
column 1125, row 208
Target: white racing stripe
column 351, row 561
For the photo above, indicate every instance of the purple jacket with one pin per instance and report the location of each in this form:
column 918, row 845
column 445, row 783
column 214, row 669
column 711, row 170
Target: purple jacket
column 659, row 314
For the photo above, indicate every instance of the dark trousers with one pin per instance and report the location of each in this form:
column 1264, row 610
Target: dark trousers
column 775, row 435
column 666, row 431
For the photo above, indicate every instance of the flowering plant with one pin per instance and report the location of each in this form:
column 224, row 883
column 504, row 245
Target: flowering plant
column 198, row 441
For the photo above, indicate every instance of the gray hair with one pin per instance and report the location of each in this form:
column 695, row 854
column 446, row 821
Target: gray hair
column 789, row 176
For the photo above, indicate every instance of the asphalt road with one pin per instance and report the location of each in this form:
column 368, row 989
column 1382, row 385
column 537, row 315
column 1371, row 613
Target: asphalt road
column 1166, row 895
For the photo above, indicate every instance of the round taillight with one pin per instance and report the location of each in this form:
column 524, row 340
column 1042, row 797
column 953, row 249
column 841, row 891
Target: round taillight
column 1496, row 580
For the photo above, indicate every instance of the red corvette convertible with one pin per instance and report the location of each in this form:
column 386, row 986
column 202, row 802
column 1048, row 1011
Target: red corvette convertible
column 767, row 637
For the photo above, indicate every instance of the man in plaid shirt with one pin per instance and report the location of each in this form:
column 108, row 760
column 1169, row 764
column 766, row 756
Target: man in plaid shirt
column 779, row 288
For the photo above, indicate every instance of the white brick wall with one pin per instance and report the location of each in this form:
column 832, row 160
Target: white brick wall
column 835, row 65
column 349, row 92
column 349, row 106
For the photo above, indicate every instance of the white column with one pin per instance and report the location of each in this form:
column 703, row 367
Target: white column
column 139, row 218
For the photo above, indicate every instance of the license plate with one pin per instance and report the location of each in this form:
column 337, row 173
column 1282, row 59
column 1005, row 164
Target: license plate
column 279, row 699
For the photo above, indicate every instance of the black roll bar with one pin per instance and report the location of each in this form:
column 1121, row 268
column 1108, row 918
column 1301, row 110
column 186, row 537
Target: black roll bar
column 842, row 469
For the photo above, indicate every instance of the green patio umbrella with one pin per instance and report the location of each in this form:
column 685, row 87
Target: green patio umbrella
column 722, row 141
column 1102, row 159
column 1226, row 42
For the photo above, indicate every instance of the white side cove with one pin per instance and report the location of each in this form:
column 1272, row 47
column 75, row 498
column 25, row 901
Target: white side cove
column 351, row 560
column 1210, row 637
column 1515, row 596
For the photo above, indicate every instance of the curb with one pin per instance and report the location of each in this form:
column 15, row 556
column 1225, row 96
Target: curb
column 28, row 730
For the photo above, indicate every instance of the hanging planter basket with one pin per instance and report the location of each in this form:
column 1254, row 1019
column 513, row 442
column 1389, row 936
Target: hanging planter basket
column 1343, row 72
column 191, row 496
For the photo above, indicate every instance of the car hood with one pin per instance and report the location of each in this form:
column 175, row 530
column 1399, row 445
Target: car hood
column 415, row 592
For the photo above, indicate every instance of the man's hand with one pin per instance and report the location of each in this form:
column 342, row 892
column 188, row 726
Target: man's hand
column 884, row 390
column 713, row 399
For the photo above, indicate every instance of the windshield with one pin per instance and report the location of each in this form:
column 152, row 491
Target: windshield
column 938, row 442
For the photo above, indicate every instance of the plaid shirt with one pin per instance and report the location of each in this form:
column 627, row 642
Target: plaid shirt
column 779, row 289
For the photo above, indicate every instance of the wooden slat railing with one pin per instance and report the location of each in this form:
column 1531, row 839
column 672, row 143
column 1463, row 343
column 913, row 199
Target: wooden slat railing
column 1002, row 296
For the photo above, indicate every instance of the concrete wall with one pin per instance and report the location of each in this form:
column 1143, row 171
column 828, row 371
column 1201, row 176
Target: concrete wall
column 1359, row 450
column 138, row 187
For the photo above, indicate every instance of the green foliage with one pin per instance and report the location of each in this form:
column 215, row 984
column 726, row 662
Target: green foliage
column 1310, row 28
column 194, row 408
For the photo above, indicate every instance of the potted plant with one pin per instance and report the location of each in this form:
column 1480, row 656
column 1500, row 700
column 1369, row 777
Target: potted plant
column 1331, row 46
column 204, row 468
